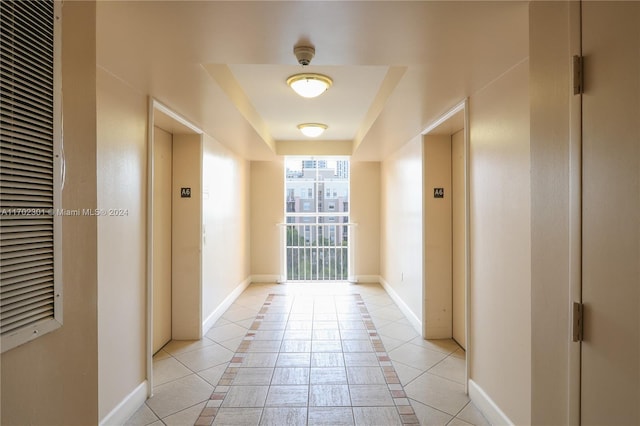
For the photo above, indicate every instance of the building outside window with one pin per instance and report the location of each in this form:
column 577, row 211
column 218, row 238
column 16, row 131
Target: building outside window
column 317, row 250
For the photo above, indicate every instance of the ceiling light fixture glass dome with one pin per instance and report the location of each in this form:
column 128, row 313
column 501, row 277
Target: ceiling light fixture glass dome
column 309, row 85
column 312, row 130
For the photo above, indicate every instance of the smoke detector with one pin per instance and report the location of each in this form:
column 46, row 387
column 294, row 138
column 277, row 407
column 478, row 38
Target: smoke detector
column 308, row 85
column 304, row 54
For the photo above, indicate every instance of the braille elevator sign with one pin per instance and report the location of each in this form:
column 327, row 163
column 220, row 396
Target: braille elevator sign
column 438, row 192
column 185, row 192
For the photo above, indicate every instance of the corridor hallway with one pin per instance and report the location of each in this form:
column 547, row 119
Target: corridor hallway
column 310, row 354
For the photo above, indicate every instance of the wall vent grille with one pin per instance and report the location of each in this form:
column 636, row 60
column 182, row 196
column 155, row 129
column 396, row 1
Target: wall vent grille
column 28, row 185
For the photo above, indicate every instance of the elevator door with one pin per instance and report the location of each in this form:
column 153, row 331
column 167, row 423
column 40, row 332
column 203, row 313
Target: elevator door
column 458, row 239
column 162, row 177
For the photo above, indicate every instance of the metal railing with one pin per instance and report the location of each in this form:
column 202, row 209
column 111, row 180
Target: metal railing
column 317, row 251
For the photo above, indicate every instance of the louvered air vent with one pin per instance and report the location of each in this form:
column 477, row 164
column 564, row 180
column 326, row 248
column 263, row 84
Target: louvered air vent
column 27, row 285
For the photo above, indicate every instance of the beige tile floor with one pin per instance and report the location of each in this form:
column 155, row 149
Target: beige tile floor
column 187, row 372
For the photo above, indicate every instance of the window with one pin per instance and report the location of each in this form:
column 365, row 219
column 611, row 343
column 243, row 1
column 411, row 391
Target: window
column 291, row 201
column 30, row 178
column 316, row 241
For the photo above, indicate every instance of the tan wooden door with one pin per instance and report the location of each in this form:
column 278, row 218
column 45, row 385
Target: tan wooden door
column 458, row 224
column 162, row 178
column 610, row 373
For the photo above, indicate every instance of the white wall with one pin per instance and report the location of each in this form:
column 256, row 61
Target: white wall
column 500, row 234
column 122, row 285
column 267, row 211
column 122, row 184
column 121, row 171
column 365, row 212
column 401, row 212
column 226, row 213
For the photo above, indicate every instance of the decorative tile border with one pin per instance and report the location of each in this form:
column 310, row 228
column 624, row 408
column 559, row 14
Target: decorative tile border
column 405, row 410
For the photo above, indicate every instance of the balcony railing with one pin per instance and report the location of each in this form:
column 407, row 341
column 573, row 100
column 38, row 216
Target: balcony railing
column 317, row 251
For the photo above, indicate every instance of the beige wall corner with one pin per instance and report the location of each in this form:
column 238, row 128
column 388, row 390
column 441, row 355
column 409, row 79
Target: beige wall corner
column 401, row 224
column 226, row 226
column 365, row 212
column 267, row 211
column 121, row 174
column 500, row 235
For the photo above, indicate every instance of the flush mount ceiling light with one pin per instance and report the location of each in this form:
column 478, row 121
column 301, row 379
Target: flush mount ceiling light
column 312, row 130
column 309, row 85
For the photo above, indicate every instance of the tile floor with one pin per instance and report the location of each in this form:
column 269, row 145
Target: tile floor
column 310, row 361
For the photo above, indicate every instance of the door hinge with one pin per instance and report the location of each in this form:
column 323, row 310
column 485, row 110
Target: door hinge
column 577, row 329
column 578, row 75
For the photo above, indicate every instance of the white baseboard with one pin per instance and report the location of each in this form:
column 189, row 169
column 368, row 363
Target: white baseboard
column 266, row 278
column 485, row 404
column 228, row 301
column 368, row 278
column 127, row 407
column 415, row 321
